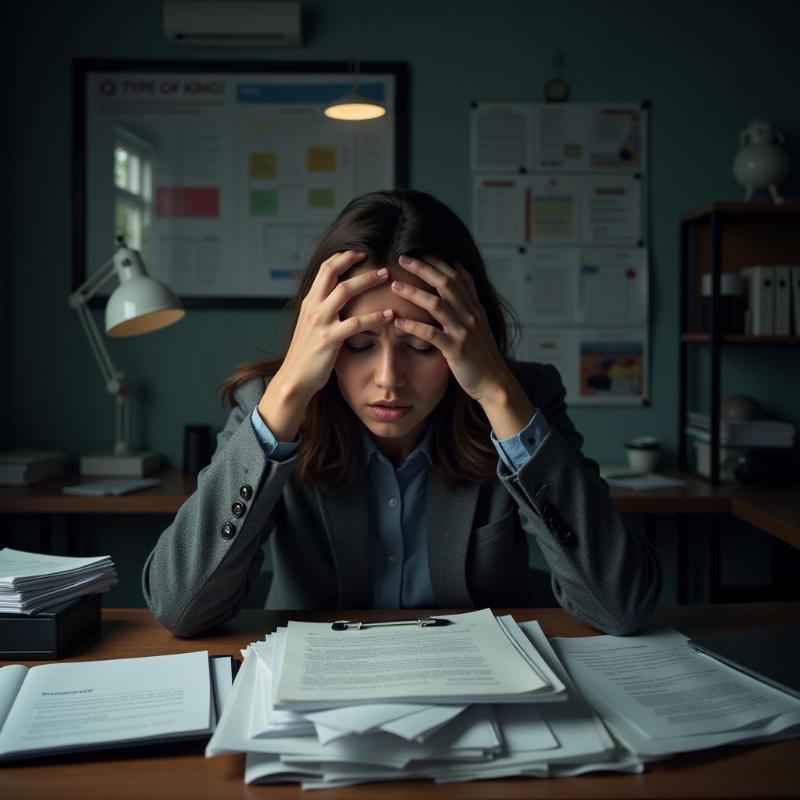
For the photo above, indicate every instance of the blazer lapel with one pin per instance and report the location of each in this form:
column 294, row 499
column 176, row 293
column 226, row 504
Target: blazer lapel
column 346, row 516
column 450, row 514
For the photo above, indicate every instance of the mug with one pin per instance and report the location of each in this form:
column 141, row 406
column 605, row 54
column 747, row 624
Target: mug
column 644, row 453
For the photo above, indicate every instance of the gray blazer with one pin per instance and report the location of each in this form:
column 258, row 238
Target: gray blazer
column 602, row 571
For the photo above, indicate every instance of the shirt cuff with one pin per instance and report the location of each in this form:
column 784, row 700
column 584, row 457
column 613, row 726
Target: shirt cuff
column 277, row 451
column 516, row 451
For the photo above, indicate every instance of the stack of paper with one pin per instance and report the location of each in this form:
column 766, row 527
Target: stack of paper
column 480, row 698
column 660, row 696
column 30, row 582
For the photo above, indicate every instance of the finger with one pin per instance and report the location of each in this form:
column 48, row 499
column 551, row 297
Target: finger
column 436, row 305
column 448, row 285
column 422, row 330
column 436, row 276
column 353, row 325
column 345, row 291
column 432, row 261
column 330, row 270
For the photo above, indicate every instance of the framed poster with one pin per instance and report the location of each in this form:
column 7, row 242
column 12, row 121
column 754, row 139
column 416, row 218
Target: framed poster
column 224, row 174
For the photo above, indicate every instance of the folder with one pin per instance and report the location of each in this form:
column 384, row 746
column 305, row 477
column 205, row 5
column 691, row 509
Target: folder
column 783, row 300
column 760, row 299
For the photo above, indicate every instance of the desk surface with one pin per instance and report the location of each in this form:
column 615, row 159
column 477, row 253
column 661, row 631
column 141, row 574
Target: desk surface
column 775, row 510
column 769, row 770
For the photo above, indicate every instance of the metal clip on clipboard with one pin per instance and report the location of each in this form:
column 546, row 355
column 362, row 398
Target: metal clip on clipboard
column 421, row 622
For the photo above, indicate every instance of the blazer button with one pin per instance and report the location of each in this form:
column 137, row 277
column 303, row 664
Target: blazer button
column 228, row 530
column 238, row 509
column 246, row 491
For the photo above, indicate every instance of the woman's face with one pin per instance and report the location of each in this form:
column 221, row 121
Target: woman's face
column 392, row 380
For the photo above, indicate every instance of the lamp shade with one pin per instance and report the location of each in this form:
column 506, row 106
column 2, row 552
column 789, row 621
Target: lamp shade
column 140, row 304
column 354, row 106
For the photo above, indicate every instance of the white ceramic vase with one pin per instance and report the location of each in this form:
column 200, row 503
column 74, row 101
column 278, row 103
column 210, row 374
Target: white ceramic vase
column 761, row 162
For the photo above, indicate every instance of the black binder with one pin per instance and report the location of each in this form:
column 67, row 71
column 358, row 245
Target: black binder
column 50, row 633
column 770, row 654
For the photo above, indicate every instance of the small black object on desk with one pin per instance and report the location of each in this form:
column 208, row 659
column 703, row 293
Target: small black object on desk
column 196, row 448
column 50, row 633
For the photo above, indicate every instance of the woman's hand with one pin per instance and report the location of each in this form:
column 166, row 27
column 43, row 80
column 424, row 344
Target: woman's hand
column 316, row 341
column 465, row 340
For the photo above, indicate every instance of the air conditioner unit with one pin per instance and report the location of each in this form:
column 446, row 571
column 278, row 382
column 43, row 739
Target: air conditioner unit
column 255, row 23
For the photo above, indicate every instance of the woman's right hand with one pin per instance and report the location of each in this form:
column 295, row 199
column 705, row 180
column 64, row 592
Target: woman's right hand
column 316, row 341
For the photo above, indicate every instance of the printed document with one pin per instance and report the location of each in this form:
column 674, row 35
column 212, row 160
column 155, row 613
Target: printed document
column 666, row 690
column 471, row 660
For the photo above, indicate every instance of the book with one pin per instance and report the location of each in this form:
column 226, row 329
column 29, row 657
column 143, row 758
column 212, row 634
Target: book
column 22, row 467
column 81, row 706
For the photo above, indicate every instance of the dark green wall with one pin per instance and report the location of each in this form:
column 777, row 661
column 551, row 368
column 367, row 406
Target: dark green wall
column 706, row 67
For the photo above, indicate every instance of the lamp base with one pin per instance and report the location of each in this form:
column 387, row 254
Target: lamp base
column 134, row 465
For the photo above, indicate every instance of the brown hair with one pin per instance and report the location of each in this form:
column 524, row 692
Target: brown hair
column 385, row 225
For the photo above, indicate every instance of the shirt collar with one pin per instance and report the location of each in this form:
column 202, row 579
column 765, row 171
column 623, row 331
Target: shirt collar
column 424, row 448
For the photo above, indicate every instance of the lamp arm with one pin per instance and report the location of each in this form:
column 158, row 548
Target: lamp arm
column 112, row 379
column 115, row 381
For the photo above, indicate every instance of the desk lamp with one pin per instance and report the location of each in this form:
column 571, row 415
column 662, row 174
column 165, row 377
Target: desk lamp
column 140, row 304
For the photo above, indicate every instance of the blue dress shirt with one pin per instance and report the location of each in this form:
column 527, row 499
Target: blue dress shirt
column 401, row 577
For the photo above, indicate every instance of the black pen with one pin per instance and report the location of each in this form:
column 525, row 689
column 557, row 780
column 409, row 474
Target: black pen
column 422, row 622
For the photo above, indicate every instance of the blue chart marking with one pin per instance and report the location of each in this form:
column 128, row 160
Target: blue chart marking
column 309, row 93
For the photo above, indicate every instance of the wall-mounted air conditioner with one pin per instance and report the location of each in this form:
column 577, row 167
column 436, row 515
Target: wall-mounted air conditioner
column 260, row 23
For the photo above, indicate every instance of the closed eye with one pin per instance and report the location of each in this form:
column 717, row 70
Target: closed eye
column 362, row 348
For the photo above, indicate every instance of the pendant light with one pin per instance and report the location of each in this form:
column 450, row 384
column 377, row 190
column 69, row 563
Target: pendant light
column 353, row 105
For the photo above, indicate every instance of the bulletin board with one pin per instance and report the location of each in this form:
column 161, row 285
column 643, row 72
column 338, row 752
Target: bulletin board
column 238, row 171
column 559, row 211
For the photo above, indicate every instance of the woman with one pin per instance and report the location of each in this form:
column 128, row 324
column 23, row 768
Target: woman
column 395, row 456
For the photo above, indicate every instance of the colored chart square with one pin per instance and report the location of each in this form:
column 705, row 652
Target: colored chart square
column 263, row 202
column 321, row 159
column 263, row 166
column 321, row 198
column 175, row 202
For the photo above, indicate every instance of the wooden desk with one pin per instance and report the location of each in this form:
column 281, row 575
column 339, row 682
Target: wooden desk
column 774, row 510
column 769, row 770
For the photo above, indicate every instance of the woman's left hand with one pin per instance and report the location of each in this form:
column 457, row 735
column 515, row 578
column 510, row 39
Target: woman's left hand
column 465, row 338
